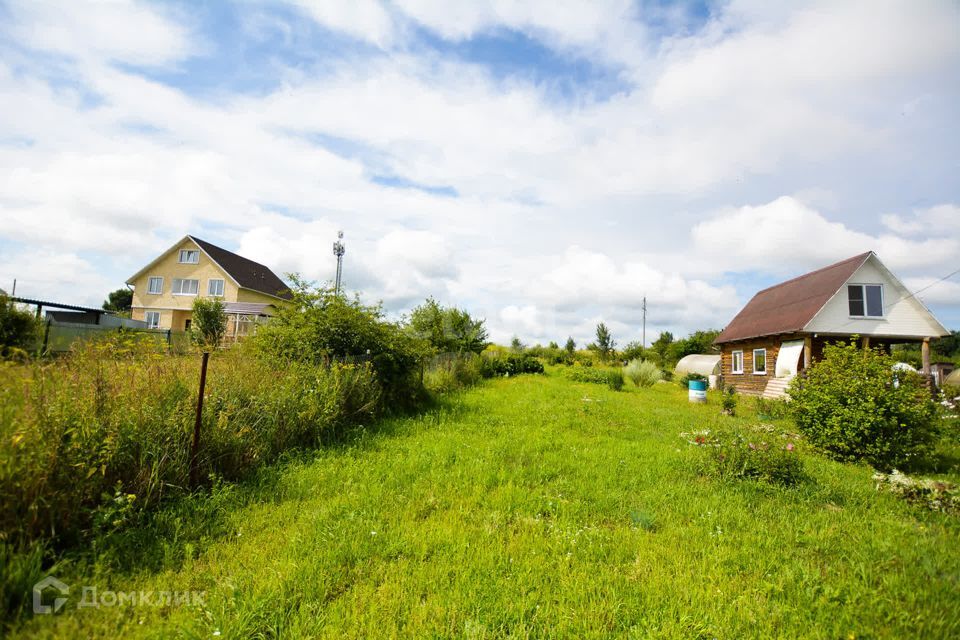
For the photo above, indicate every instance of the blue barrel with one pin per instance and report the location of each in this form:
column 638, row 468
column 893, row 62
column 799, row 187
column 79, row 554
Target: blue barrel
column 698, row 390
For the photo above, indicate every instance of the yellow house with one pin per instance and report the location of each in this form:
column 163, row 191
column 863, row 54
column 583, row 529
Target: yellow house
column 164, row 290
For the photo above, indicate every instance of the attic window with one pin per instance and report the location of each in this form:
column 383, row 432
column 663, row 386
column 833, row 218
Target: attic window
column 189, row 257
column 865, row 300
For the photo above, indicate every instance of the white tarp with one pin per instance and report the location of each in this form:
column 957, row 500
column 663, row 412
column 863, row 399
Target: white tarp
column 788, row 358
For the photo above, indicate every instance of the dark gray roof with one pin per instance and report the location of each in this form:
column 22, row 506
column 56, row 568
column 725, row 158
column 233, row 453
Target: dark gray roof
column 247, row 273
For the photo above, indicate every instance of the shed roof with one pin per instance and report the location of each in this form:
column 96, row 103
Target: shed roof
column 789, row 306
column 702, row 363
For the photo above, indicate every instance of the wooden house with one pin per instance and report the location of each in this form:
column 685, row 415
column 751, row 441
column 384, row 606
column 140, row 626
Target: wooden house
column 783, row 329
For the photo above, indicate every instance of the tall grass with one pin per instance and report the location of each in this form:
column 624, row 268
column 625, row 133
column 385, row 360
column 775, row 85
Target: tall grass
column 114, row 419
column 451, row 371
column 530, row 507
column 642, row 373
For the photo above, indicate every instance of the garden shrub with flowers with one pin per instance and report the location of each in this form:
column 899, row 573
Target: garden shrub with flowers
column 759, row 456
column 935, row 495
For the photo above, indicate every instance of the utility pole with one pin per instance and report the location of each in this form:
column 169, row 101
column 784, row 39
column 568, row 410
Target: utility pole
column 644, row 322
column 14, row 292
column 338, row 250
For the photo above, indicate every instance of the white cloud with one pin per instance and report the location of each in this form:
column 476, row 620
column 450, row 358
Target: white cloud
column 133, row 32
column 941, row 220
column 822, row 47
column 784, row 235
column 59, row 277
column 519, row 321
column 363, row 19
column 933, row 291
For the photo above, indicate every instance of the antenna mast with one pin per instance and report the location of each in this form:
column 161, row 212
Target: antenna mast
column 644, row 322
column 338, row 250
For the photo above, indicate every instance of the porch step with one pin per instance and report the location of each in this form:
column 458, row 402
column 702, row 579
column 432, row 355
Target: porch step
column 776, row 388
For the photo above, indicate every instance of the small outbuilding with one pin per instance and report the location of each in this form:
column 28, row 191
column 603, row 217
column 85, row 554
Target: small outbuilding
column 707, row 365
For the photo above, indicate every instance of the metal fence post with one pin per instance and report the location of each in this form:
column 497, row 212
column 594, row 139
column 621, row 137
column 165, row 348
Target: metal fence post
column 195, row 447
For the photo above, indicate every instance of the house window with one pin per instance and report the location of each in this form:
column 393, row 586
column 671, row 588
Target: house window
column 736, row 362
column 153, row 319
column 182, row 287
column 188, row 256
column 155, row 285
column 215, row 288
column 760, row 362
column 865, row 300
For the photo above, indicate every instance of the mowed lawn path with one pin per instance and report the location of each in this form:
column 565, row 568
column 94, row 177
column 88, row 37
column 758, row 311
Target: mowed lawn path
column 532, row 507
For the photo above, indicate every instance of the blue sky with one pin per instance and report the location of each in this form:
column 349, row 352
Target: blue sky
column 544, row 165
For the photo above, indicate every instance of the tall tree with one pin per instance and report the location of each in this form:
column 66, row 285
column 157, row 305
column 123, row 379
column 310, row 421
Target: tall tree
column 209, row 322
column 571, row 346
column 447, row 329
column 661, row 345
column 605, row 341
column 120, row 300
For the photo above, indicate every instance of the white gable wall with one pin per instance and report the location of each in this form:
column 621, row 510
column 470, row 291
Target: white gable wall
column 903, row 315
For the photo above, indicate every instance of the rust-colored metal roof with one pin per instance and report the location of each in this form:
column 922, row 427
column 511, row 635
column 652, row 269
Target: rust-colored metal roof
column 789, row 306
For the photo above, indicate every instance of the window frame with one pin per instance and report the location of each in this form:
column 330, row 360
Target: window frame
column 733, row 362
column 866, row 307
column 150, row 290
column 173, row 288
column 146, row 318
column 189, row 252
column 223, row 287
column 754, row 363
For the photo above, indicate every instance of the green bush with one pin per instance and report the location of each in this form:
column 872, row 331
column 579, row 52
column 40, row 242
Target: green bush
column 728, row 401
column 642, row 373
column 771, row 408
column 596, row 375
column 18, row 330
column 509, row 364
column 614, row 379
column 854, row 406
column 320, row 327
column 738, row 456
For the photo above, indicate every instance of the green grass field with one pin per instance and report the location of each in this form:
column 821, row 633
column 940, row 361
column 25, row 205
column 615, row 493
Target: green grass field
column 529, row 507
